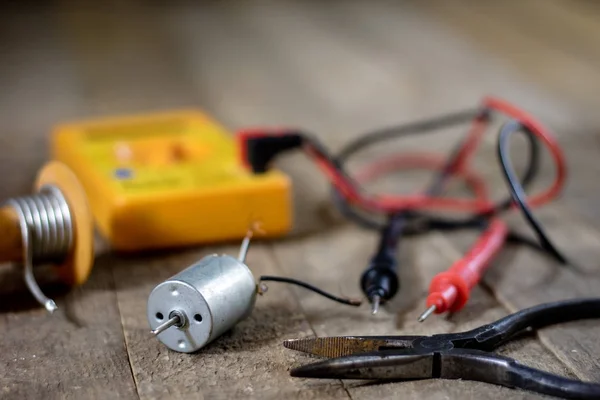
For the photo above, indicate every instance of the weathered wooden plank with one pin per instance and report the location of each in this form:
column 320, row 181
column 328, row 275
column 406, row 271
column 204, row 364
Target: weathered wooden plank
column 249, row 361
column 571, row 28
column 580, row 194
column 568, row 76
column 553, row 33
column 34, row 69
column 376, row 44
column 286, row 63
column 123, row 62
column 524, row 277
column 323, row 255
column 346, row 249
column 575, row 344
column 80, row 351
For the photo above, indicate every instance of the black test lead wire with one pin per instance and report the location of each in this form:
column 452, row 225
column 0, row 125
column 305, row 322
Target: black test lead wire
column 268, row 146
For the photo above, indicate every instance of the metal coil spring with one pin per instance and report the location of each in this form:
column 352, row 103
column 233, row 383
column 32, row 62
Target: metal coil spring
column 46, row 231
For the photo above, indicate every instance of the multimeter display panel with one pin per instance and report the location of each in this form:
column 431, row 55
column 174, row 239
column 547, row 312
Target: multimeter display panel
column 170, row 179
column 164, row 154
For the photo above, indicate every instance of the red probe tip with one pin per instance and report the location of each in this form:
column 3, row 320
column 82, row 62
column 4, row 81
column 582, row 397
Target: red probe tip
column 427, row 313
column 450, row 290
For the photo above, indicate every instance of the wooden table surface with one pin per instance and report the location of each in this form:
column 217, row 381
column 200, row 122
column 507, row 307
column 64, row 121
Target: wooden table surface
column 335, row 68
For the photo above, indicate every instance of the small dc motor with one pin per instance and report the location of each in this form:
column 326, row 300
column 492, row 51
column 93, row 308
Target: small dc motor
column 192, row 308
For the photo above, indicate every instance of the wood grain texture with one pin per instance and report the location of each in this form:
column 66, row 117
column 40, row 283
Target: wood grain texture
column 509, row 34
column 336, row 69
column 249, row 361
column 522, row 277
column 80, row 351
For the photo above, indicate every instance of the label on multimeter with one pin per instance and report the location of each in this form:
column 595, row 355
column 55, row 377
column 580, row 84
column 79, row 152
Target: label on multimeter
column 170, row 179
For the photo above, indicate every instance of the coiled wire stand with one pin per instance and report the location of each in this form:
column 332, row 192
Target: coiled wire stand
column 46, row 232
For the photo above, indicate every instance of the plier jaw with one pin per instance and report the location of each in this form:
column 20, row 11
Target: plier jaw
column 385, row 365
column 411, row 364
column 378, row 357
column 339, row 346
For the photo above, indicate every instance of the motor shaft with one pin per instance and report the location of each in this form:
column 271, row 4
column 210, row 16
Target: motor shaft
column 175, row 320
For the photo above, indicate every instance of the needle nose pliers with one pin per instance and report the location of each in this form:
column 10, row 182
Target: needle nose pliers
column 466, row 355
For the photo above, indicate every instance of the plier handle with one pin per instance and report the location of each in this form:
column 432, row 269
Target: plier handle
column 464, row 355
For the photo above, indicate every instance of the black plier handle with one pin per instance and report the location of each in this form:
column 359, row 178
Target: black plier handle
column 464, row 355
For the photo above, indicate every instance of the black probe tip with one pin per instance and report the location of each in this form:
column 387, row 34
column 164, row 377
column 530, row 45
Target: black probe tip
column 380, row 283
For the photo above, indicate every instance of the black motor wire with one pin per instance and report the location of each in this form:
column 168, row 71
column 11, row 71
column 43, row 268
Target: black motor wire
column 308, row 286
column 413, row 222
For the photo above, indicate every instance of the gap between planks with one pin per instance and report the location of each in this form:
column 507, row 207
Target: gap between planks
column 125, row 341
column 276, row 262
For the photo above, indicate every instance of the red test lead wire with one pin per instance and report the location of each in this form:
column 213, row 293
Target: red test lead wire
column 450, row 290
column 392, row 203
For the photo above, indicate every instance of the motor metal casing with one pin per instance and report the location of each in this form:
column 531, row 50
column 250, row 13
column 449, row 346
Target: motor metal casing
column 214, row 294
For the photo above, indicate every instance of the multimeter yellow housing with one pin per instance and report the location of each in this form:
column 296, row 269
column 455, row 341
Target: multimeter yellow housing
column 170, row 179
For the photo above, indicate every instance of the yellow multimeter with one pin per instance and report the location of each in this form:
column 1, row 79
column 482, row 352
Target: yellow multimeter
column 170, row 179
